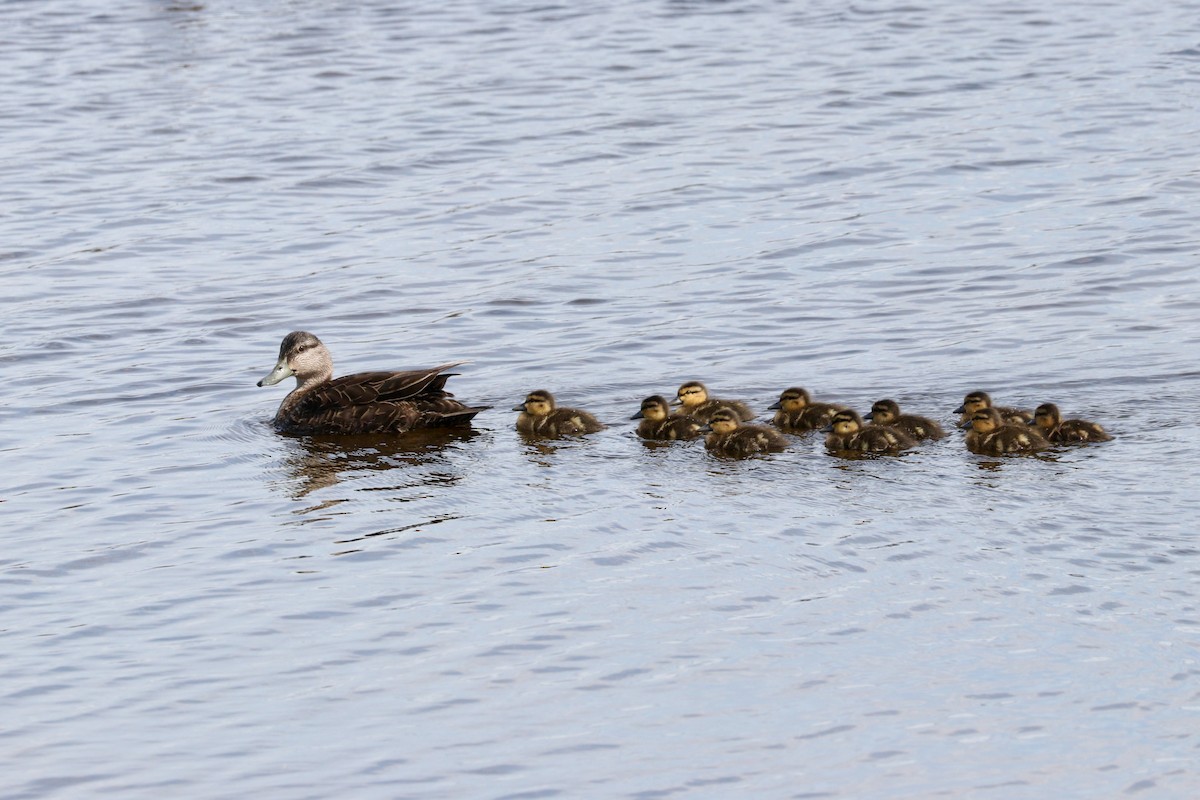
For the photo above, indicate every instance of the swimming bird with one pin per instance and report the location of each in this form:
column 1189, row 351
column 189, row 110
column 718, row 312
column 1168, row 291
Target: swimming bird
column 728, row 437
column 797, row 412
column 541, row 416
column 978, row 400
column 366, row 402
column 887, row 412
column 1056, row 429
column 658, row 423
column 693, row 396
column 847, row 433
column 990, row 435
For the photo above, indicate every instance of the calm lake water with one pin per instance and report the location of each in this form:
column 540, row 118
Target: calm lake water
column 604, row 200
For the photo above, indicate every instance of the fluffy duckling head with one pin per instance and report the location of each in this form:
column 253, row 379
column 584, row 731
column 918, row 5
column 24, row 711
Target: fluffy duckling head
column 538, row 403
column 792, row 400
column 303, row 355
column 654, row 408
column 974, row 402
column 692, row 394
column 1046, row 417
column 724, row 420
column 884, row 412
column 845, row 423
column 985, row 421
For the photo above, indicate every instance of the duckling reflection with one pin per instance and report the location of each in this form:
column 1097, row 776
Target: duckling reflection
column 887, row 412
column 541, row 416
column 797, row 413
column 1056, row 429
column 847, row 434
column 696, row 402
column 658, row 423
column 729, row 437
column 977, row 401
column 990, row 435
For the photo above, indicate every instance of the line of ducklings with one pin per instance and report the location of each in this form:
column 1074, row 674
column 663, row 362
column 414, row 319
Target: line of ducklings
column 724, row 424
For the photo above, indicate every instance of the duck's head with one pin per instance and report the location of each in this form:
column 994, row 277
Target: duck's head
column 1046, row 416
column 845, row 423
column 883, row 412
column 654, row 409
column 301, row 354
column 723, row 420
column 792, row 400
column 984, row 421
column 691, row 394
column 538, row 403
column 974, row 402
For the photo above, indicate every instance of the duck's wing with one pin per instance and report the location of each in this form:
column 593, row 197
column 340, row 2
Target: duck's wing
column 366, row 388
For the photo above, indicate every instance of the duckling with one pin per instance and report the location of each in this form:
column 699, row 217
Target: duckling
column 693, row 395
column 887, row 412
column 1056, row 429
column 658, row 423
column 540, row 416
column 990, row 435
column 366, row 402
column 798, row 413
column 728, row 437
column 847, row 432
column 977, row 400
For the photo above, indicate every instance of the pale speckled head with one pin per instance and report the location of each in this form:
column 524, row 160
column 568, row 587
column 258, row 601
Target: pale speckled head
column 1046, row 416
column 537, row 403
column 654, row 408
column 845, row 423
column 300, row 354
column 793, row 399
column 692, row 394
column 884, row 412
column 985, row 421
column 974, row 402
column 723, row 420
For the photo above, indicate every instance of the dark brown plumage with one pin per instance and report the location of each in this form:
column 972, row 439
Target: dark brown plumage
column 990, row 435
column 798, row 413
column 657, row 422
column 887, row 412
column 1056, row 429
column 728, row 437
column 541, row 416
column 694, row 398
column 976, row 401
column 366, row 402
column 848, row 434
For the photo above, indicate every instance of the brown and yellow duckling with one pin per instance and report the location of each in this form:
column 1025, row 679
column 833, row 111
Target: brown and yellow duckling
column 795, row 411
column 729, row 437
column 657, row 421
column 990, row 435
column 541, row 416
column 366, row 402
column 847, row 433
column 694, row 398
column 887, row 412
column 1056, row 429
column 975, row 401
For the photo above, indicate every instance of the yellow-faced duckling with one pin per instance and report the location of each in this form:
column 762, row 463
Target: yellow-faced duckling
column 990, row 435
column 847, row 432
column 795, row 411
column 976, row 401
column 1056, row 429
column 887, row 412
column 693, row 395
column 540, row 416
column 367, row 402
column 729, row 437
column 657, row 421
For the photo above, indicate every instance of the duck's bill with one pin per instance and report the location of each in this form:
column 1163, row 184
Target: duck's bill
column 281, row 371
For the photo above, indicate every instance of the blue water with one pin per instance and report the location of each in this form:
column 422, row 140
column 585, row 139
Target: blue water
column 871, row 200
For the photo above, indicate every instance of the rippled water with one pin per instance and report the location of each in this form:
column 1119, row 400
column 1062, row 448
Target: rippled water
column 606, row 200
